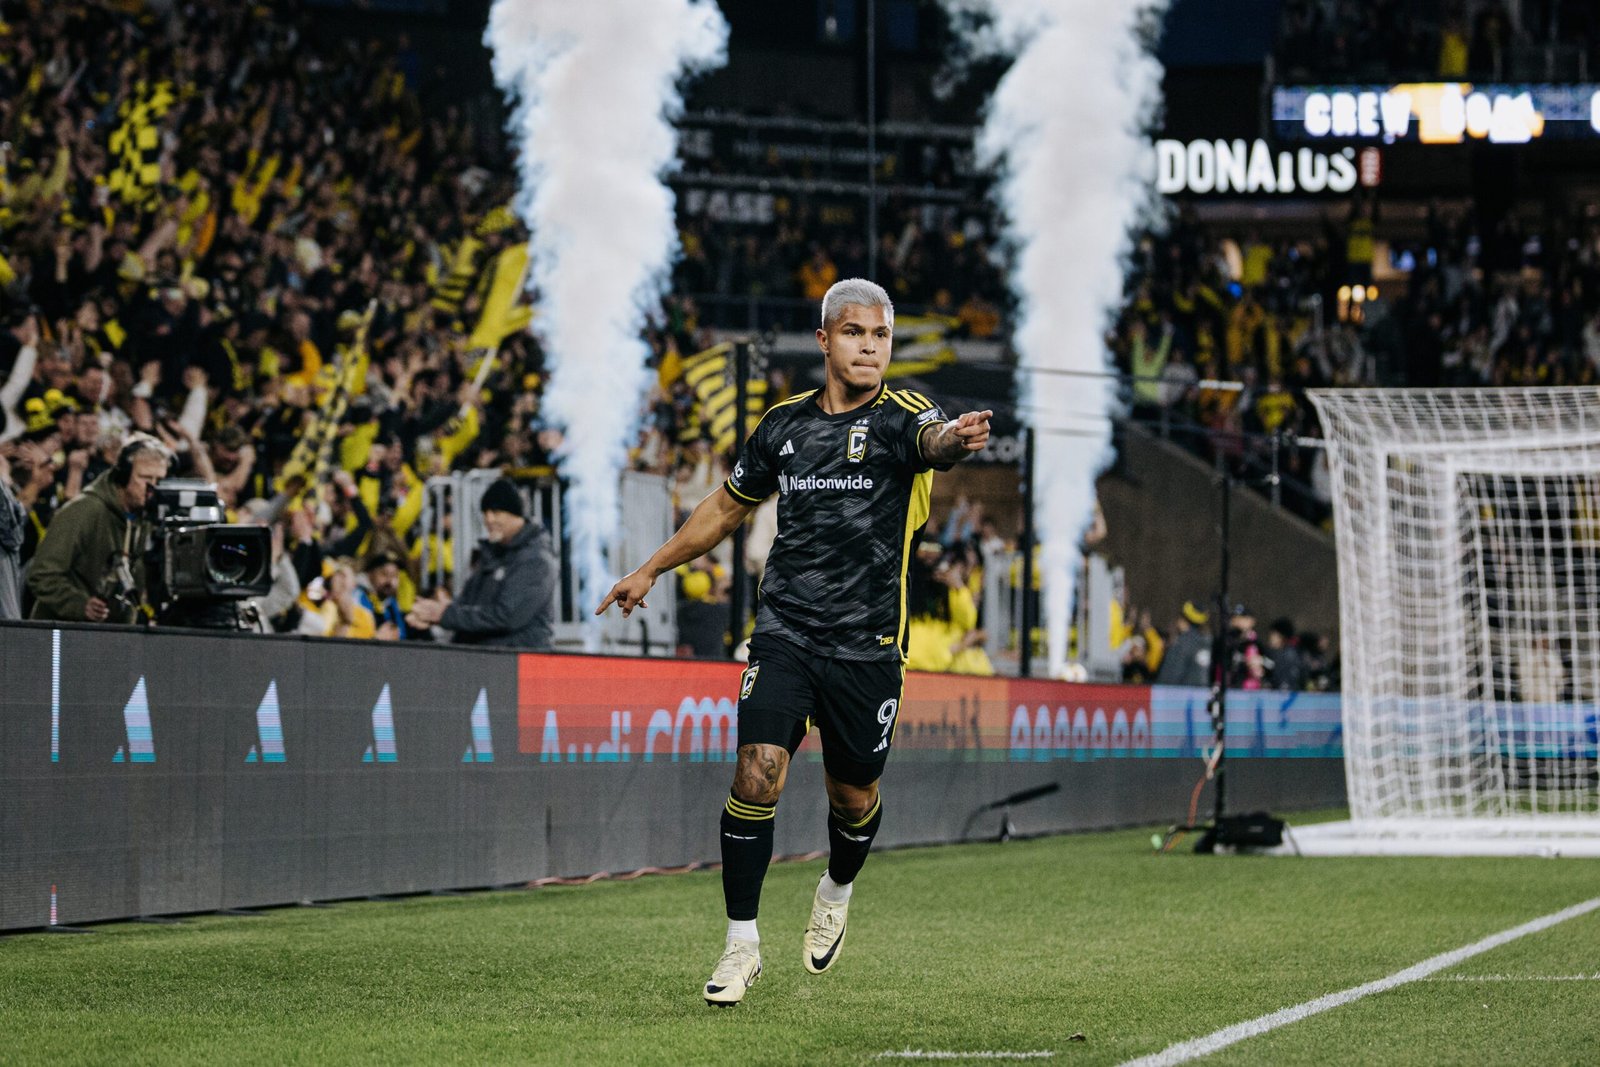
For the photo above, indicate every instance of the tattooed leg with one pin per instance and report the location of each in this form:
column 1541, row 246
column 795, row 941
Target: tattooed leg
column 747, row 826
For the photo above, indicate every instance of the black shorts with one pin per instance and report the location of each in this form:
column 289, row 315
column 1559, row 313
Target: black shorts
column 854, row 703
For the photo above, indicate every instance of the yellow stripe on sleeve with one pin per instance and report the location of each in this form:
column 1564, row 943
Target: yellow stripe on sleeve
column 741, row 497
column 898, row 399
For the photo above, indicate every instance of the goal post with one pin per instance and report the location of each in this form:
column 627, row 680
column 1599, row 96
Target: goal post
column 1467, row 524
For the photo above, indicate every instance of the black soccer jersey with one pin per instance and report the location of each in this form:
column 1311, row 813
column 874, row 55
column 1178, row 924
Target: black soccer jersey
column 852, row 488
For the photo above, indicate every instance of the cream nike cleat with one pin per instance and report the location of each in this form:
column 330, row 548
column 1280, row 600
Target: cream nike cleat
column 825, row 934
column 735, row 972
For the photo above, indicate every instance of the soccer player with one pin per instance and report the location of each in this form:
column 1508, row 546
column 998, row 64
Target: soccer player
column 852, row 464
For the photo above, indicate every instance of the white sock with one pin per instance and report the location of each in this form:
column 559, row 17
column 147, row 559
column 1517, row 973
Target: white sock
column 743, row 930
column 833, row 892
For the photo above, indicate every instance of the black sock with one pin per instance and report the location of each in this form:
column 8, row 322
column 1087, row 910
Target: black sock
column 848, row 842
column 746, row 852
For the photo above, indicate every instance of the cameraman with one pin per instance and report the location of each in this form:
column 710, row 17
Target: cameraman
column 90, row 565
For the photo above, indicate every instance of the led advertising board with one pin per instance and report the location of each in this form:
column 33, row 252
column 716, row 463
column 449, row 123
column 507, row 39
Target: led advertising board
column 1436, row 113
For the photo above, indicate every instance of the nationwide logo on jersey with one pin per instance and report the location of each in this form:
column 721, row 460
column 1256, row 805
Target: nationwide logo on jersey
column 790, row 484
column 787, row 449
column 858, row 444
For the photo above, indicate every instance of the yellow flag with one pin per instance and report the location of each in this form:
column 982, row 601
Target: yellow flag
column 502, row 315
column 922, row 345
column 452, row 288
column 710, row 374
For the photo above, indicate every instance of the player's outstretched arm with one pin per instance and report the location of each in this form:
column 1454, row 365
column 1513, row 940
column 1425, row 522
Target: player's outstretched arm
column 714, row 518
column 956, row 439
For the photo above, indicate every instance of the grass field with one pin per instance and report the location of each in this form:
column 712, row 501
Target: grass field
column 976, row 948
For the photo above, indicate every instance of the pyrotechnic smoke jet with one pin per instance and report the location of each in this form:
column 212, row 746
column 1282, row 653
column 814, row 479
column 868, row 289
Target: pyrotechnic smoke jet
column 594, row 87
column 1066, row 133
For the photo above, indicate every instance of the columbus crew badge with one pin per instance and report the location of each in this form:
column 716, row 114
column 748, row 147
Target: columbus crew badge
column 747, row 681
column 858, row 444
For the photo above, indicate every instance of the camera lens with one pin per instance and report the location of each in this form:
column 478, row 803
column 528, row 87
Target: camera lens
column 233, row 562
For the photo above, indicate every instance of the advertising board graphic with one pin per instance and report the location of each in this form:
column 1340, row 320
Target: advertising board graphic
column 482, row 748
column 580, row 710
column 382, row 749
column 269, row 729
column 577, row 709
column 141, row 747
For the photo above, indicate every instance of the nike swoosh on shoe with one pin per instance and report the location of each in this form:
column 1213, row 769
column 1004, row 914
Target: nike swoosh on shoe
column 819, row 962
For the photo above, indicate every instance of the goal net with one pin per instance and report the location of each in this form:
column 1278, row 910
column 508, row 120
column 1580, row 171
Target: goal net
column 1468, row 532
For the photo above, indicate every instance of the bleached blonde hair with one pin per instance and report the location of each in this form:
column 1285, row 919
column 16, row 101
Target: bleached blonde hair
column 857, row 291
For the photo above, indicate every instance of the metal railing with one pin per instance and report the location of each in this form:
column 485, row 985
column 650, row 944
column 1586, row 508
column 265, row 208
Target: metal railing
column 1098, row 585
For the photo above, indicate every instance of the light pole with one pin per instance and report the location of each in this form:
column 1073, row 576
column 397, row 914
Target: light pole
column 872, row 139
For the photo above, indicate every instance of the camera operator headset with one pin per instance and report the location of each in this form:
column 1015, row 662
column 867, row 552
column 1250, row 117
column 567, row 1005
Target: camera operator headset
column 130, row 477
column 89, row 565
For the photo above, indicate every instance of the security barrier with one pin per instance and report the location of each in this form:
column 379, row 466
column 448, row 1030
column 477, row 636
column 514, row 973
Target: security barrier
column 157, row 773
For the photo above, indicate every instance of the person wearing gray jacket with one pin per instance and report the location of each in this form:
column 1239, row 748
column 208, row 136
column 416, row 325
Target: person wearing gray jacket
column 13, row 521
column 509, row 599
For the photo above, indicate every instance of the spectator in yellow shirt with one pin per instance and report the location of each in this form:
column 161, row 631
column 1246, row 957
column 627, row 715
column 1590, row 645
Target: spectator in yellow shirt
column 817, row 274
column 330, row 607
column 944, row 634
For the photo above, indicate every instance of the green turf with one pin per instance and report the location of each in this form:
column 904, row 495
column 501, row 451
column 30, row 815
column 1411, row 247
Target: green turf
column 1011, row 947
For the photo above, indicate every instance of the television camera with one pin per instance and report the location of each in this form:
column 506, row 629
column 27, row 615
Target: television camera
column 201, row 568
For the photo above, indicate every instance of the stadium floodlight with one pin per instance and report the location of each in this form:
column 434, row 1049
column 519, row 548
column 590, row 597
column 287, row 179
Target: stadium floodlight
column 1468, row 529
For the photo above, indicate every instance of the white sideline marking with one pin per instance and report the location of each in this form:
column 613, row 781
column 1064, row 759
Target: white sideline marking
column 1185, row 1051
column 920, row 1054
column 1517, row 978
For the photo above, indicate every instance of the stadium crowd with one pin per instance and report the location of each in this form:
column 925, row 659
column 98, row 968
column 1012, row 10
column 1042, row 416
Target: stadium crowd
column 224, row 230
column 1224, row 331
column 1454, row 40
column 935, row 258
column 214, row 224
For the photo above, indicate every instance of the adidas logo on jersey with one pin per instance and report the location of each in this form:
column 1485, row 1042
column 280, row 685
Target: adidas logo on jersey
column 787, row 449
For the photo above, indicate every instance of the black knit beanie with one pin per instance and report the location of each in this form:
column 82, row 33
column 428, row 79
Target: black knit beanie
column 502, row 495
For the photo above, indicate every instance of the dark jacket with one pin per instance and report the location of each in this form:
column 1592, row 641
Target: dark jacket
column 1288, row 669
column 1187, row 660
column 13, row 524
column 510, row 597
column 78, row 555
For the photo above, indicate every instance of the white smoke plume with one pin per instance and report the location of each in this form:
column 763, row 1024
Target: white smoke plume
column 594, row 86
column 1066, row 133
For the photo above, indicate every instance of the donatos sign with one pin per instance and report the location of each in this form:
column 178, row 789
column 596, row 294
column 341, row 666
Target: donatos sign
column 1251, row 167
